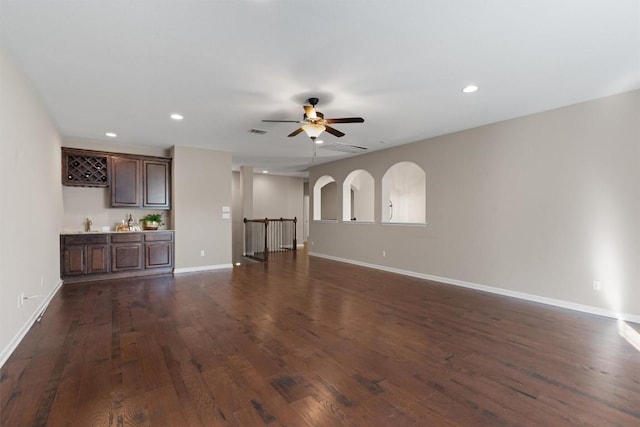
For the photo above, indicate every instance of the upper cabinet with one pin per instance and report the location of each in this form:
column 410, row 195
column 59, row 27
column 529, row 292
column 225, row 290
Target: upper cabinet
column 140, row 182
column 133, row 181
column 85, row 168
column 126, row 182
column 156, row 181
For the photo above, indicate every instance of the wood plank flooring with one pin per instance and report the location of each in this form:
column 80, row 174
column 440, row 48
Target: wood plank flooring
column 311, row 342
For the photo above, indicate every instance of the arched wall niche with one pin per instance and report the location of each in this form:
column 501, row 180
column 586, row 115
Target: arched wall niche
column 325, row 199
column 404, row 194
column 358, row 196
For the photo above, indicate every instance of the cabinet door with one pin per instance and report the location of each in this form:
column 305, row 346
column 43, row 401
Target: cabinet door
column 159, row 254
column 97, row 259
column 126, row 256
column 74, row 260
column 126, row 182
column 156, row 179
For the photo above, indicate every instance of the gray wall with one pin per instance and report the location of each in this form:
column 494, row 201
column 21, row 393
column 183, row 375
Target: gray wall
column 31, row 211
column 278, row 196
column 541, row 205
column 329, row 207
column 201, row 188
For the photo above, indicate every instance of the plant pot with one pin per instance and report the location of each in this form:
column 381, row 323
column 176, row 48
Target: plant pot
column 150, row 225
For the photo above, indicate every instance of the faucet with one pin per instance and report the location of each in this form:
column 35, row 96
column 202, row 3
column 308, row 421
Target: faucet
column 87, row 225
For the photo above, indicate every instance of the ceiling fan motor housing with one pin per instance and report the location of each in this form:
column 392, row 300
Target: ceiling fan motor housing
column 315, row 123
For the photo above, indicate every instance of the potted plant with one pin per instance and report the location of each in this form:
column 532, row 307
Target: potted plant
column 152, row 221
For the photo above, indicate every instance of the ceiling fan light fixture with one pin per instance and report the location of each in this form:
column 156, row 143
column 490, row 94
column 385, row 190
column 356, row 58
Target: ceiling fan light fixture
column 313, row 130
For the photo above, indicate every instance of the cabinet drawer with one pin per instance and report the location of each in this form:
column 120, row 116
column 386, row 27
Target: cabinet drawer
column 158, row 237
column 126, row 238
column 85, row 239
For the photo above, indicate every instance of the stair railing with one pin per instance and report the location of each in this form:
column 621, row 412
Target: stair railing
column 262, row 236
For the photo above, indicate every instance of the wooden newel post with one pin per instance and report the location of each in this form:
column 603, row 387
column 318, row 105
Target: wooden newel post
column 295, row 240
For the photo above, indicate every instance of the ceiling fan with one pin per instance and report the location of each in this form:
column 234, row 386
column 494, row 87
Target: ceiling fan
column 315, row 123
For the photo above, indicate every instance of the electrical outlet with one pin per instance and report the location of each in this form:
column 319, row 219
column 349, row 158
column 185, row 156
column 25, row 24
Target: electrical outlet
column 384, row 253
column 21, row 299
column 41, row 281
column 597, row 285
column 201, row 252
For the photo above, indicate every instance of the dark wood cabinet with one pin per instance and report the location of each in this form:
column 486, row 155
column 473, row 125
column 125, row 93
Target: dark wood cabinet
column 97, row 259
column 156, row 183
column 85, row 168
column 126, row 182
column 126, row 257
column 84, row 254
column 134, row 181
column 126, row 252
column 140, row 182
column 158, row 250
column 74, row 260
column 109, row 255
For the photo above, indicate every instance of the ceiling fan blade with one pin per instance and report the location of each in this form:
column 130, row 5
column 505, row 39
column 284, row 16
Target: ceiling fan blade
column 346, row 120
column 310, row 111
column 295, row 132
column 334, row 132
column 282, row 121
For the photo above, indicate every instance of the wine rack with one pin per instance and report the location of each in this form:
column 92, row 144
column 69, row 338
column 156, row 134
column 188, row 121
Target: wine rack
column 81, row 168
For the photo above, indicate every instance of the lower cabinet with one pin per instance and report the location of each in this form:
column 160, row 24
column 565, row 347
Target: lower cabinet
column 126, row 252
column 84, row 254
column 109, row 255
column 74, row 260
column 97, row 259
column 158, row 250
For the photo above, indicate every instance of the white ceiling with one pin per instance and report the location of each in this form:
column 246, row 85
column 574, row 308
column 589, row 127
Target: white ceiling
column 124, row 66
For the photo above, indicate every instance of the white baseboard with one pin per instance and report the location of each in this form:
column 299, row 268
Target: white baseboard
column 15, row 341
column 499, row 291
column 201, row 268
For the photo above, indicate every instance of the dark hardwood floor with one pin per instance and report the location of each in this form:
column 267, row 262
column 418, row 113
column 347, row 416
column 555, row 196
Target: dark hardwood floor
column 307, row 341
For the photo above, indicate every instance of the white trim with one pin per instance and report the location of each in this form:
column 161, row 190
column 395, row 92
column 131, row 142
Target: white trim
column 201, row 268
column 635, row 318
column 15, row 341
column 357, row 222
column 405, row 224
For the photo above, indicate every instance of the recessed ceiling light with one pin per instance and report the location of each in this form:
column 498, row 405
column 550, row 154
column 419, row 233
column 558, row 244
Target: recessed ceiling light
column 319, row 141
column 111, row 134
column 470, row 89
column 176, row 116
column 265, row 171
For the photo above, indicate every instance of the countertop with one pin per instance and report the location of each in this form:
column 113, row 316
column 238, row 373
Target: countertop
column 76, row 233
